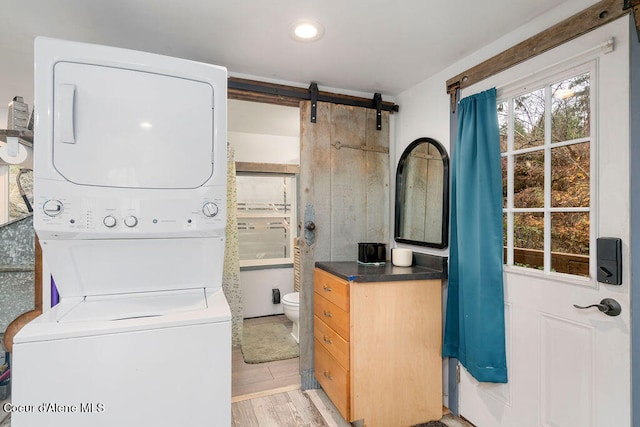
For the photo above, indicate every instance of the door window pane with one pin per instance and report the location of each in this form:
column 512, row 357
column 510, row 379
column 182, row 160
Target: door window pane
column 570, row 175
column 503, row 122
column 528, row 120
column 570, row 118
column 505, row 229
column 528, row 244
column 570, row 242
column 528, row 180
column 504, row 161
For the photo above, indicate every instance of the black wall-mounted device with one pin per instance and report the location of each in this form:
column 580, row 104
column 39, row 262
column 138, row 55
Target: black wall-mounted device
column 609, row 254
column 275, row 296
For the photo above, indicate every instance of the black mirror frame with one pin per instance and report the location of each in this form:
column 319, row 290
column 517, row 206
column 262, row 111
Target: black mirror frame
column 444, row 241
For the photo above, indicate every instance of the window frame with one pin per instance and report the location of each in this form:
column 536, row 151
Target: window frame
column 545, row 80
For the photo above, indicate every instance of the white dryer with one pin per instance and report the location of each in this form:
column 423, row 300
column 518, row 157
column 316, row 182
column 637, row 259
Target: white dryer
column 130, row 210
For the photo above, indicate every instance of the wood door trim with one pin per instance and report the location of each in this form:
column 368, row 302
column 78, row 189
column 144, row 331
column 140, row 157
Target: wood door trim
column 267, row 167
column 581, row 23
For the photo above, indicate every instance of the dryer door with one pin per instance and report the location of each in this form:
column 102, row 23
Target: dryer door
column 116, row 127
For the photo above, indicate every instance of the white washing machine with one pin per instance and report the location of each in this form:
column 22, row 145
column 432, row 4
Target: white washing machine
column 130, row 210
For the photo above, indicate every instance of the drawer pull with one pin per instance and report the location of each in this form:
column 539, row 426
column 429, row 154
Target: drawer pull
column 327, row 313
column 326, row 288
column 325, row 339
column 327, row 375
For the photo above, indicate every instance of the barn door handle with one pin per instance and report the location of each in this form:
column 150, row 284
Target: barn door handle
column 608, row 306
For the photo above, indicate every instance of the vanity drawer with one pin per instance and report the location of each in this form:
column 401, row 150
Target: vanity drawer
column 333, row 378
column 332, row 288
column 337, row 346
column 335, row 317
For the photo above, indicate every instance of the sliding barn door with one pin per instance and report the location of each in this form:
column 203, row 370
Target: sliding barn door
column 344, row 197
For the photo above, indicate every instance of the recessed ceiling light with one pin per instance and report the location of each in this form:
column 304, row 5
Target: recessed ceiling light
column 306, row 31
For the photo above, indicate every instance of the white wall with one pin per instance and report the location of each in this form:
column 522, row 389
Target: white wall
column 262, row 148
column 256, row 290
column 264, row 133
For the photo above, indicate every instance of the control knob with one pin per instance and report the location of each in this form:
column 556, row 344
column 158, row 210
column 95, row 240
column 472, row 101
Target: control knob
column 52, row 208
column 131, row 221
column 109, row 221
column 210, row 209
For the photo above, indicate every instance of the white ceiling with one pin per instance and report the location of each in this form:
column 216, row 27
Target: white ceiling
column 369, row 45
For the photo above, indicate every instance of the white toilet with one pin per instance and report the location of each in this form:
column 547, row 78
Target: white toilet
column 291, row 305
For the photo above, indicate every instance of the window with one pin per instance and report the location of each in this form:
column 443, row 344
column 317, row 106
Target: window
column 20, row 183
column 546, row 137
column 266, row 218
column 14, row 183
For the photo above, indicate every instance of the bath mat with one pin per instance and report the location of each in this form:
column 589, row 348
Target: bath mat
column 267, row 342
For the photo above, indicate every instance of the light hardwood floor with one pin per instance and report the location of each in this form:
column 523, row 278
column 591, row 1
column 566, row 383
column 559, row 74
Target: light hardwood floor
column 297, row 408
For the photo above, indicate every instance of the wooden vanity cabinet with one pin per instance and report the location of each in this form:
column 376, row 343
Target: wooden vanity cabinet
column 378, row 348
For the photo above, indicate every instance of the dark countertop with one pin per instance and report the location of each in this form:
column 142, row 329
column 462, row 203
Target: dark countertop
column 435, row 268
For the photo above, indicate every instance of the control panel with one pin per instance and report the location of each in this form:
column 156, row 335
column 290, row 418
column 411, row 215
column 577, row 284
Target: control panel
column 141, row 214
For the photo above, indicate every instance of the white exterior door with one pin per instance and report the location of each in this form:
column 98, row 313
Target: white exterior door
column 567, row 367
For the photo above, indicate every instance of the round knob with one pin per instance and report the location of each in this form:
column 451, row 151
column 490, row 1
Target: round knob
column 210, row 209
column 109, row 221
column 52, row 207
column 131, row 221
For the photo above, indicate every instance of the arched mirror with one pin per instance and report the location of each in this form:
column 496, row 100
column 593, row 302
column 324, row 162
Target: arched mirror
column 422, row 195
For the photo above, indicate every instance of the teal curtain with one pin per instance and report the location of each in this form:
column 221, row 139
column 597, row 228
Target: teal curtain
column 474, row 326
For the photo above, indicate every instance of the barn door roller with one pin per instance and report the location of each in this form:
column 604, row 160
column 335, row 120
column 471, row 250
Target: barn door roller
column 375, row 103
column 313, row 95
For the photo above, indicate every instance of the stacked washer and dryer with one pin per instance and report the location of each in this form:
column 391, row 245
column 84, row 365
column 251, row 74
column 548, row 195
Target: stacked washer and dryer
column 130, row 210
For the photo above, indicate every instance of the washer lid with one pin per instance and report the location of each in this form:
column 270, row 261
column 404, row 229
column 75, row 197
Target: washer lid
column 135, row 306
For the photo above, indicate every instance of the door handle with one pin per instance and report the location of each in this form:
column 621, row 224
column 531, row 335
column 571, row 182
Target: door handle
column 608, row 306
column 309, row 225
column 66, row 113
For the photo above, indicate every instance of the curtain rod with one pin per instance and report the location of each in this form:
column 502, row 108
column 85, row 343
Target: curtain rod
column 581, row 23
